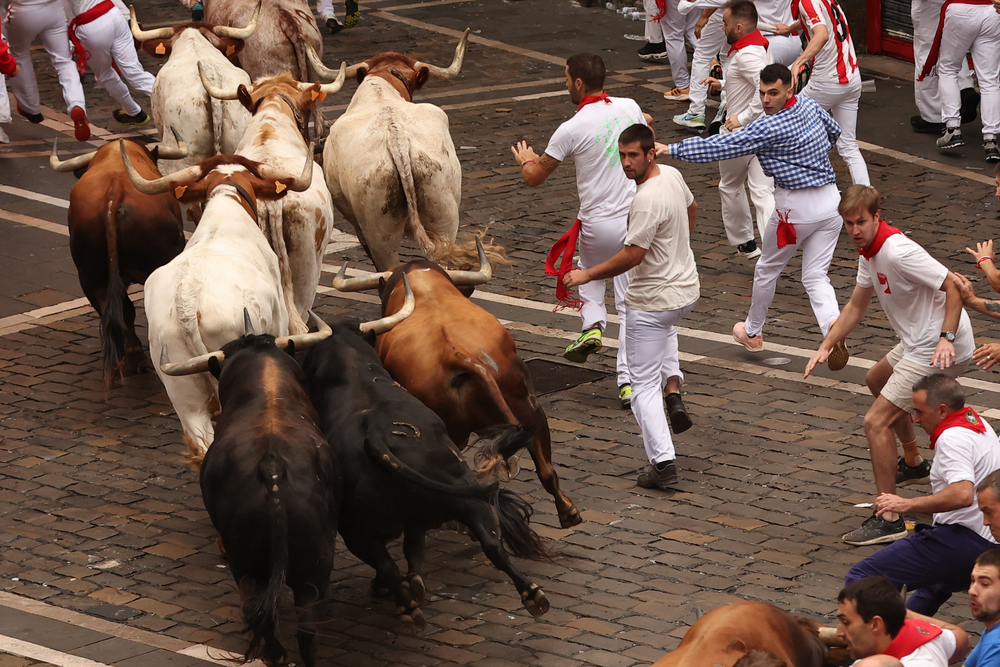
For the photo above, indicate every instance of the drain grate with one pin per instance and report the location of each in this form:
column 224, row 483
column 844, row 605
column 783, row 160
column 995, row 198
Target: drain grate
column 549, row 376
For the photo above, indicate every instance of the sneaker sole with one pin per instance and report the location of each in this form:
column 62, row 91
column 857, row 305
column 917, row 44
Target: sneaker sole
column 661, row 484
column 626, row 403
column 678, row 98
column 750, row 255
column 951, row 145
column 838, row 358
column 884, row 539
column 579, row 354
column 759, row 348
column 81, row 128
column 699, row 126
column 914, row 480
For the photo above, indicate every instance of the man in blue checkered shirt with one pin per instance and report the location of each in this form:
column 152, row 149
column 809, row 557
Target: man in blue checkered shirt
column 792, row 141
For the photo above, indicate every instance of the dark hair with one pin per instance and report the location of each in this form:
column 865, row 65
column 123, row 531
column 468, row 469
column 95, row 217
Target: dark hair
column 876, row 596
column 941, row 389
column 758, row 658
column 991, row 482
column 640, row 133
column 776, row 72
column 745, row 12
column 989, row 558
column 589, row 67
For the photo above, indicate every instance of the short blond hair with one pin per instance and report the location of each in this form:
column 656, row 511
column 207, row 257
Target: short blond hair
column 860, row 197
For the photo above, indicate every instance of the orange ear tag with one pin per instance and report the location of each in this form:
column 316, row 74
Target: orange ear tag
column 279, row 187
column 318, row 95
column 180, row 190
column 160, row 49
column 230, row 50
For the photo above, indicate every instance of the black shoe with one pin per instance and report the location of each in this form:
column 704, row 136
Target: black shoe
column 714, row 127
column 921, row 126
column 679, row 419
column 333, row 25
column 749, row 249
column 970, row 100
column 918, row 474
column 652, row 51
column 876, row 530
column 658, row 476
column 140, row 119
column 32, row 117
column 992, row 151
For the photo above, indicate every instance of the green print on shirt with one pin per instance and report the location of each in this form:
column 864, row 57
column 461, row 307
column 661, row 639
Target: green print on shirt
column 607, row 137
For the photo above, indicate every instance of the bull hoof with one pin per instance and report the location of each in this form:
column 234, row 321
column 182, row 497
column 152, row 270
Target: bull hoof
column 415, row 619
column 570, row 518
column 378, row 589
column 417, row 588
column 535, row 601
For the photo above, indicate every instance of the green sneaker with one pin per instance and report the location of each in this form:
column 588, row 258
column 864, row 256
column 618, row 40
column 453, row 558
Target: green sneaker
column 588, row 343
column 625, row 395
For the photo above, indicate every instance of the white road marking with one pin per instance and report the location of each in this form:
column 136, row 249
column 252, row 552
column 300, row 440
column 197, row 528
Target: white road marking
column 44, row 654
column 34, row 196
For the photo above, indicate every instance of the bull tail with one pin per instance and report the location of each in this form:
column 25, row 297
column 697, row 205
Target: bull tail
column 503, row 442
column 274, row 230
column 399, row 149
column 216, row 112
column 464, row 256
column 516, row 534
column 113, row 331
column 260, row 607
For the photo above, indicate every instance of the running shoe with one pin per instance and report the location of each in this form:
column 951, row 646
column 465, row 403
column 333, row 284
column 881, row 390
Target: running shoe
column 907, row 475
column 839, row 355
column 658, row 475
column 921, row 126
column 715, row 70
column 81, row 128
column 749, row 250
column 680, row 421
column 751, row 343
column 4, row 139
column 952, row 138
column 586, row 344
column 32, row 117
column 876, row 530
column 651, row 51
column 351, row 13
column 992, row 152
column 332, row 24
column 716, row 125
column 625, row 395
column 687, row 120
column 679, row 95
column 140, row 119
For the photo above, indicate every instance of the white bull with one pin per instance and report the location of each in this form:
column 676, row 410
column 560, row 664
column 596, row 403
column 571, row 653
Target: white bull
column 391, row 164
column 298, row 227
column 195, row 303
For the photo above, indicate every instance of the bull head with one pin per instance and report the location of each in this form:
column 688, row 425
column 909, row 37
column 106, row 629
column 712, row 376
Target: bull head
column 342, row 283
column 234, row 93
column 449, row 72
column 166, row 33
column 157, row 151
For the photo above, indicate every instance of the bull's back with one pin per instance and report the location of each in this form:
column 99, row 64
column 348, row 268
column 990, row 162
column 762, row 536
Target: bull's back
column 269, row 50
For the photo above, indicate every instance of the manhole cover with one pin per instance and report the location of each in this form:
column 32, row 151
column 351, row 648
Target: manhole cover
column 776, row 361
column 551, row 376
column 113, row 612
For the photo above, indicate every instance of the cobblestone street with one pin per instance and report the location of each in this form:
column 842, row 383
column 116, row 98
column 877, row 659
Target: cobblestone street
column 102, row 525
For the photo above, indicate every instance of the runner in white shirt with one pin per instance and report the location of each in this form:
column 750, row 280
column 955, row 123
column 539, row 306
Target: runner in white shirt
column 590, row 137
column 747, row 56
column 663, row 289
column 835, row 81
column 924, row 307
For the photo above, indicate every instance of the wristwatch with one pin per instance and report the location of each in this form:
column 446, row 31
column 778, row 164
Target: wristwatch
column 948, row 336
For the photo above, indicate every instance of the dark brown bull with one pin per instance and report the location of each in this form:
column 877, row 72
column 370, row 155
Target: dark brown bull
column 117, row 237
column 462, row 363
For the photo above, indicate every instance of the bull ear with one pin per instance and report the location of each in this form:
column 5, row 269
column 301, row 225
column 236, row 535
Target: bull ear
column 422, row 74
column 189, row 192
column 158, row 48
column 271, row 189
column 243, row 95
column 214, row 367
column 229, row 47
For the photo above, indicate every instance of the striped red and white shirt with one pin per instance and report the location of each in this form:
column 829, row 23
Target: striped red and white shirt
column 837, row 61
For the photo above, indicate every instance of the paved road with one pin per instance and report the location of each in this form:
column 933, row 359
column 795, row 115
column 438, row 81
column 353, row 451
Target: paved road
column 98, row 514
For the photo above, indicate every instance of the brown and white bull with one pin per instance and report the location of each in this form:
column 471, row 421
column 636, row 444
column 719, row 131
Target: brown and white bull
column 391, row 164
column 197, row 302
column 463, row 364
column 298, row 226
column 117, row 237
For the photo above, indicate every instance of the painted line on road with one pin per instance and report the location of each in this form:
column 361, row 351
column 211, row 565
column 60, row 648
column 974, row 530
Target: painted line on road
column 930, row 164
column 44, row 654
column 34, row 196
column 38, row 223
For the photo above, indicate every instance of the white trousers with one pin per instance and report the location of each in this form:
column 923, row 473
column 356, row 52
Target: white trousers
column 841, row 100
column 652, row 350
column 712, row 44
column 48, row 23
column 733, row 174
column 599, row 242
column 673, row 29
column 324, row 8
column 785, row 49
column 108, row 39
column 974, row 28
column 925, row 15
column 818, row 240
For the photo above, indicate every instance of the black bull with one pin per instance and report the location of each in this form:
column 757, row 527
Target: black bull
column 403, row 475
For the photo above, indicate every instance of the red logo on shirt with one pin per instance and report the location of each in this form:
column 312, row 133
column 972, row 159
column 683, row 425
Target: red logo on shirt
column 884, row 280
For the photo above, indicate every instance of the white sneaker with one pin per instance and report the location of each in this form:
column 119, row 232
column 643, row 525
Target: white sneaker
column 4, row 139
column 687, row 120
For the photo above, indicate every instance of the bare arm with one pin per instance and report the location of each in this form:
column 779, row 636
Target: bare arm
column 944, row 353
column 952, row 497
column 969, row 298
column 983, row 255
column 627, row 258
column 534, row 169
column 962, row 645
column 819, row 36
column 849, row 318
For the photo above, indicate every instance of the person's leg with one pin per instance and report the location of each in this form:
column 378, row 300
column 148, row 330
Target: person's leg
column 765, row 276
column 845, row 111
column 956, row 40
column 674, row 26
column 620, row 285
column 818, row 241
column 125, row 57
column 713, row 40
column 646, row 341
column 735, row 207
column 55, row 39
column 761, row 193
column 24, row 25
column 598, row 243
column 654, row 33
column 925, row 15
column 986, row 55
column 98, row 38
column 879, row 422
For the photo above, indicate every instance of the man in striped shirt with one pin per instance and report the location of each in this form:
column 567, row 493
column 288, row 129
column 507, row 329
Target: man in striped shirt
column 792, row 141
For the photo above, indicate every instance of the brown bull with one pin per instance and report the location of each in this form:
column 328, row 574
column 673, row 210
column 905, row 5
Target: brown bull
column 117, row 237
column 462, row 363
column 724, row 635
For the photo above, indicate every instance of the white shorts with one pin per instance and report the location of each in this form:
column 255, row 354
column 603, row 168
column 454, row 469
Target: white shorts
column 905, row 373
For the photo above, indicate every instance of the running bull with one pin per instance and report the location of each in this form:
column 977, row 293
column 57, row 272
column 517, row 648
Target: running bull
column 271, row 485
column 402, row 474
column 117, row 237
column 462, row 363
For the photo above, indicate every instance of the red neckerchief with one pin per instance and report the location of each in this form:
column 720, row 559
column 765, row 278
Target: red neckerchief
column 885, row 230
column 932, row 57
column 791, row 101
column 965, row 418
column 753, row 39
column 80, row 55
column 912, row 636
column 590, row 99
column 566, row 247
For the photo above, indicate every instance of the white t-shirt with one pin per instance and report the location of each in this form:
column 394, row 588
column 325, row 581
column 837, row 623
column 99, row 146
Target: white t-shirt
column 742, row 82
column 962, row 455
column 836, row 62
column 935, row 653
column 591, row 138
column 667, row 278
column 908, row 283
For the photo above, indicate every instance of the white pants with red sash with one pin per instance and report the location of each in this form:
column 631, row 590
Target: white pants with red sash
column 974, row 28
column 109, row 41
column 599, row 242
column 672, row 29
column 926, row 14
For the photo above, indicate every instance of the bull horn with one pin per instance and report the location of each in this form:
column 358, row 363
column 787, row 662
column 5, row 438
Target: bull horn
column 147, row 35
column 178, row 152
column 456, row 64
column 380, row 326
column 239, row 33
column 160, row 185
column 71, row 164
column 322, row 71
column 479, row 277
column 353, row 70
column 215, row 91
column 829, row 637
column 307, row 340
column 342, row 283
column 247, row 324
column 189, row 367
column 336, row 84
column 299, row 183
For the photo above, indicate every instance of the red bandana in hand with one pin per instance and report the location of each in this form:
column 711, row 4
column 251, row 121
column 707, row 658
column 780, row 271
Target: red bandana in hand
column 884, row 232
column 965, row 418
column 565, row 247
